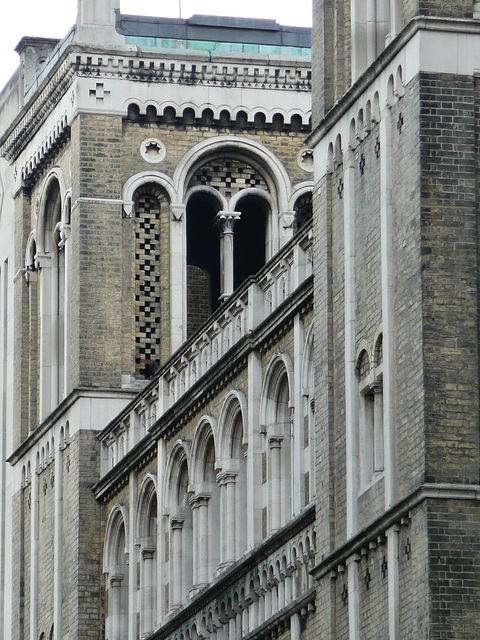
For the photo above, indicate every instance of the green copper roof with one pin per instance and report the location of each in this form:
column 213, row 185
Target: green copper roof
column 224, row 47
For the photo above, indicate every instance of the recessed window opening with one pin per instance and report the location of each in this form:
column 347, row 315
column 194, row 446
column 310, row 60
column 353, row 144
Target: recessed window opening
column 203, row 260
column 250, row 238
column 303, row 210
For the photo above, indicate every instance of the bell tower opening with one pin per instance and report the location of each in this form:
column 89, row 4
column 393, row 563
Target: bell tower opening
column 250, row 237
column 203, row 260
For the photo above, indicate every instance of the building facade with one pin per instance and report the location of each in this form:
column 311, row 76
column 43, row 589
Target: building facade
column 395, row 110
column 157, row 280
column 228, row 412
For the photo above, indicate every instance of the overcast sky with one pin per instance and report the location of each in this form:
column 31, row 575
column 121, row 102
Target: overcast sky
column 53, row 18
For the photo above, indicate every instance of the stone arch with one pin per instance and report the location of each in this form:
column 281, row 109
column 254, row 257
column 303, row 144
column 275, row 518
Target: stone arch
column 178, row 523
column 146, row 538
column 115, row 566
column 146, row 177
column 233, row 477
column 378, row 350
column 205, row 502
column 50, row 206
column 275, row 411
column 150, row 265
column 249, row 148
column 31, row 251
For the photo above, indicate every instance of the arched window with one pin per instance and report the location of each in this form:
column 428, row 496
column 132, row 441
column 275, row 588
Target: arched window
column 151, row 288
column 116, row 624
column 277, row 463
column 370, row 416
column 303, row 209
column 205, row 505
column 233, row 486
column 203, row 260
column 307, row 440
column 147, row 540
column 250, row 237
column 179, row 529
column 52, row 299
column 218, row 240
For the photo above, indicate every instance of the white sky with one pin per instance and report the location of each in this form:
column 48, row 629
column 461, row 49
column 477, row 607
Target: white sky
column 53, row 18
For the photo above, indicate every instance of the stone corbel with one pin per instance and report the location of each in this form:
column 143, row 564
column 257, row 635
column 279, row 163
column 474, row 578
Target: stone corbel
column 287, row 219
column 128, row 209
column 43, row 260
column 177, row 212
column 65, row 230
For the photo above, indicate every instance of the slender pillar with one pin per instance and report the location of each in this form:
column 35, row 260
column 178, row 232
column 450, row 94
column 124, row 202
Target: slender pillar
column 58, row 546
column 34, row 556
column 64, row 243
column 295, row 627
column 225, row 221
column 359, row 50
column 353, row 598
column 199, row 506
column 46, row 343
column 386, row 236
column 254, row 457
column 393, row 583
column 351, row 387
column 230, row 526
column 275, row 444
column 131, row 605
column 371, row 31
column 176, row 575
column 148, row 558
column 116, row 607
column 178, row 277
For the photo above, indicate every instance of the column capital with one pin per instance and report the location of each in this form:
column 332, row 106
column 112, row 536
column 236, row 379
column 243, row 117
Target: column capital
column 177, row 523
column 225, row 221
column 377, row 387
column 199, row 500
column 227, row 477
column 275, row 442
column 148, row 552
column 116, row 581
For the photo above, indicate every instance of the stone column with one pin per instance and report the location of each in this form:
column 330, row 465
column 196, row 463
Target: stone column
column 199, row 505
column 58, row 546
column 47, row 344
column 178, row 278
column 64, row 245
column 148, row 556
column 176, row 578
column 225, row 221
column 227, row 482
column 34, row 554
column 116, row 607
column 351, row 385
column 275, row 444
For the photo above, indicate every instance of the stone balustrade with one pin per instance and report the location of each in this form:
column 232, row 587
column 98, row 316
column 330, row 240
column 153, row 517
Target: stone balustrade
column 260, row 297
